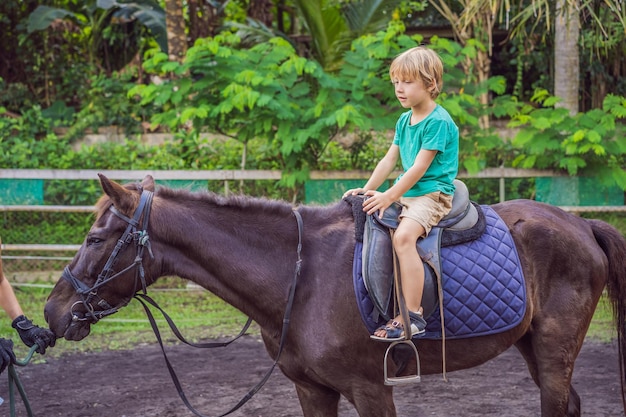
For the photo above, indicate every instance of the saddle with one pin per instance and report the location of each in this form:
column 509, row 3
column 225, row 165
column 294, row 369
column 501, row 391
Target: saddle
column 464, row 223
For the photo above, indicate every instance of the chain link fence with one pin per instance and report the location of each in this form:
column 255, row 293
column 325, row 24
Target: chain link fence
column 38, row 241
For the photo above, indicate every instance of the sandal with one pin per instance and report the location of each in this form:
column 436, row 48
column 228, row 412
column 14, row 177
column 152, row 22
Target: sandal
column 395, row 329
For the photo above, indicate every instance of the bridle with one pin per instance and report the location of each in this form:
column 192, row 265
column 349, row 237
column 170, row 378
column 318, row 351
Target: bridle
column 133, row 233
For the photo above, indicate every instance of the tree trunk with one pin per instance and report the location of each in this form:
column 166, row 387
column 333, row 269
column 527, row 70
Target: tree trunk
column 203, row 20
column 176, row 37
column 566, row 55
column 483, row 71
column 261, row 10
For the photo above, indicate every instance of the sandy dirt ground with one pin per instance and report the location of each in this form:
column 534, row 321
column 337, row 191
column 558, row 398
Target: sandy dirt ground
column 136, row 383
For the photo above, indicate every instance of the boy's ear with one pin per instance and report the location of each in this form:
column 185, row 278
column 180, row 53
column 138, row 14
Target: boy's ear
column 433, row 87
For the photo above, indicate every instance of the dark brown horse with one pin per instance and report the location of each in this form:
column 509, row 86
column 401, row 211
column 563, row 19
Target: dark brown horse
column 244, row 250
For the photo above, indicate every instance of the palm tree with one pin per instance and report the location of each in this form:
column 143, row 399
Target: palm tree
column 566, row 54
column 477, row 19
column 176, row 36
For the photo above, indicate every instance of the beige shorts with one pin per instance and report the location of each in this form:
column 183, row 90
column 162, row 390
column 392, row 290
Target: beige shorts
column 427, row 210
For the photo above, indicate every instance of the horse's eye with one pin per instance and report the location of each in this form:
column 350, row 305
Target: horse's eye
column 93, row 240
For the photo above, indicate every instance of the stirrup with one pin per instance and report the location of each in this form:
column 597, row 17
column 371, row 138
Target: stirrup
column 408, row 379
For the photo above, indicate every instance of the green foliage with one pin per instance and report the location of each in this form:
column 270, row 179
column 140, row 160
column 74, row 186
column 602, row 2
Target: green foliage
column 104, row 104
column 269, row 93
column 27, row 141
column 487, row 190
column 589, row 143
column 43, row 16
column 112, row 35
column 46, row 227
column 334, row 25
column 264, row 92
column 226, row 102
column 148, row 12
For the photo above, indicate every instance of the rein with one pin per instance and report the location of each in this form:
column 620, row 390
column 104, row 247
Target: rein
column 144, row 299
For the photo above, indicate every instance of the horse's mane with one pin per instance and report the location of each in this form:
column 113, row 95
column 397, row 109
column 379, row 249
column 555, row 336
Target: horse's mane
column 203, row 197
column 235, row 202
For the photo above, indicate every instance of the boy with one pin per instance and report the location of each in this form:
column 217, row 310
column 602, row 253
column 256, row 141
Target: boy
column 427, row 143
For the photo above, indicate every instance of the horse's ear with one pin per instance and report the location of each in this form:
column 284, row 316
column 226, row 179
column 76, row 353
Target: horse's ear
column 148, row 183
column 120, row 196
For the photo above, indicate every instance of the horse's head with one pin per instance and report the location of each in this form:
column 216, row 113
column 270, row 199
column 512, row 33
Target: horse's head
column 107, row 270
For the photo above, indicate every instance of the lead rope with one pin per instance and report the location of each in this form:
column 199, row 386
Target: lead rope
column 283, row 337
column 14, row 381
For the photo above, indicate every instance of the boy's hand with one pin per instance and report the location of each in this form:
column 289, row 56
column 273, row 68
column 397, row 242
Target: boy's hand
column 354, row 191
column 376, row 202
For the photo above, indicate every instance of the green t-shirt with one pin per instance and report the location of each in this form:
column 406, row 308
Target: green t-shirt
column 437, row 132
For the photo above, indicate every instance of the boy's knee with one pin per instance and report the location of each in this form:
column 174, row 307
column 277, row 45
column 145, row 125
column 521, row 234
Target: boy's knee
column 403, row 240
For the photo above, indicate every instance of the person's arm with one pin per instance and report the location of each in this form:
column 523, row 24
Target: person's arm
column 380, row 201
column 380, row 174
column 412, row 175
column 383, row 169
column 8, row 300
column 29, row 333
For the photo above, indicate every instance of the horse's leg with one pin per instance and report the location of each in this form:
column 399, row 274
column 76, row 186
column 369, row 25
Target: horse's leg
column 317, row 400
column 375, row 402
column 551, row 369
column 573, row 405
column 320, row 401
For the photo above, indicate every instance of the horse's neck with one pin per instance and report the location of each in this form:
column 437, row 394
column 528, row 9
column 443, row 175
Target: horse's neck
column 244, row 258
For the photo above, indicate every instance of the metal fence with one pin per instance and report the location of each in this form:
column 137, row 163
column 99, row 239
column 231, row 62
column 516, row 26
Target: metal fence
column 38, row 240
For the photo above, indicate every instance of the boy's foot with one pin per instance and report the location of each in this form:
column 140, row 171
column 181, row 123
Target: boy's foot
column 394, row 330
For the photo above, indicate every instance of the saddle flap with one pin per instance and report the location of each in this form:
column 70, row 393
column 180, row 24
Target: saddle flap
column 377, row 268
column 391, row 216
column 378, row 263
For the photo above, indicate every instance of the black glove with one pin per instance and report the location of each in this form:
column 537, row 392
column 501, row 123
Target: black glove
column 6, row 353
column 31, row 334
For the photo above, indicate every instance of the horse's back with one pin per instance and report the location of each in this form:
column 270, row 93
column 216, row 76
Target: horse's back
column 534, row 212
column 543, row 229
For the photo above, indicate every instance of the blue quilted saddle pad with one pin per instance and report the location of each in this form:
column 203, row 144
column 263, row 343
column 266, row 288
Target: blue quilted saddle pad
column 483, row 286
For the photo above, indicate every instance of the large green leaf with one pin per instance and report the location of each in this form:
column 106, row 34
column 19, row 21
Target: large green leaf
column 43, row 16
column 368, row 16
column 324, row 23
column 332, row 29
column 147, row 12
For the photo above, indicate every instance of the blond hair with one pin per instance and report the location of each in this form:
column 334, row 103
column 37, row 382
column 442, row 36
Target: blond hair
column 419, row 63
